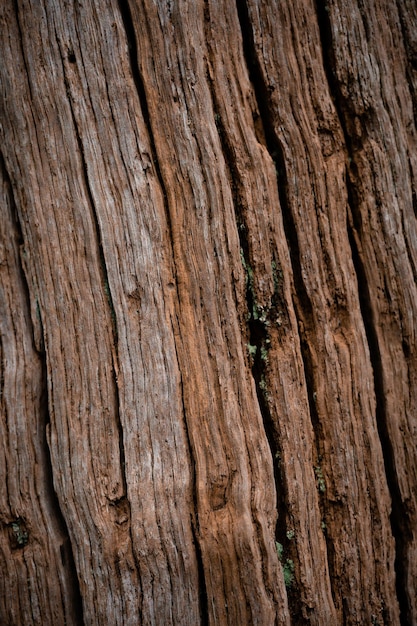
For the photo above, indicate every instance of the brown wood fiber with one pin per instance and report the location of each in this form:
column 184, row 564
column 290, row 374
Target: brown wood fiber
column 208, row 312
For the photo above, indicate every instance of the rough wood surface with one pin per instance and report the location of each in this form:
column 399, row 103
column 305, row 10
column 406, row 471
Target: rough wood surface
column 208, row 306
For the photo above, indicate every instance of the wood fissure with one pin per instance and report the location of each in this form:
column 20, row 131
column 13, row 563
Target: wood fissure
column 126, row 13
column 323, row 21
column 401, row 524
column 301, row 301
column 202, row 589
column 124, row 6
column 257, row 332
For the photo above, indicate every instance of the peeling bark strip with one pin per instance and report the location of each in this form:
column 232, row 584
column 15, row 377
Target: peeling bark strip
column 208, row 306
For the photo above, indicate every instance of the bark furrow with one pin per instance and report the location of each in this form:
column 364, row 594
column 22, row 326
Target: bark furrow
column 358, row 113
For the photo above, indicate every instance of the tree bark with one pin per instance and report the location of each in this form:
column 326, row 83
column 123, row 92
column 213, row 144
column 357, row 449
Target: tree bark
column 208, row 312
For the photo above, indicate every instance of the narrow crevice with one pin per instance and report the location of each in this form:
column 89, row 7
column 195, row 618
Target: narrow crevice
column 194, row 523
column 256, row 319
column 301, row 301
column 127, row 19
column 259, row 320
column 202, row 589
column 128, row 24
column 400, row 523
column 75, row 601
column 276, row 151
column 66, row 552
column 25, row 63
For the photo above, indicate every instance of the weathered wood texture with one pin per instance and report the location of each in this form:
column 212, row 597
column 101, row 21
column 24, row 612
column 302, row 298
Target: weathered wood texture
column 208, row 312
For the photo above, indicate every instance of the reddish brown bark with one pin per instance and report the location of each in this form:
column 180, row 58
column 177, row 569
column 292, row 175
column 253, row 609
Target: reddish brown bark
column 208, row 313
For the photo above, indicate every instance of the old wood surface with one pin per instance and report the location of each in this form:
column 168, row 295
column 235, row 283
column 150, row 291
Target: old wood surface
column 208, row 310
